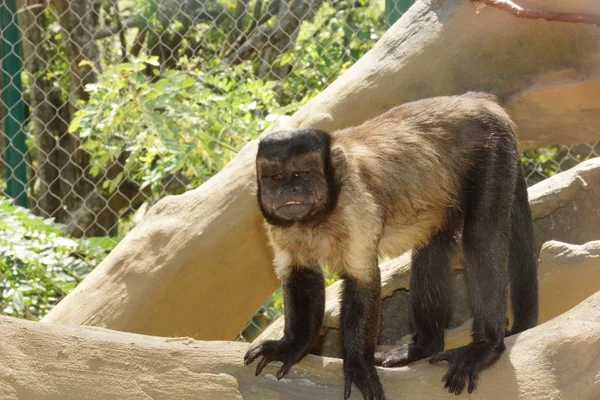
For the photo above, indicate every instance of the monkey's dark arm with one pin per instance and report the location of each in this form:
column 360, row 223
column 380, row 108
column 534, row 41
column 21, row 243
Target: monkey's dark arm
column 304, row 302
column 360, row 327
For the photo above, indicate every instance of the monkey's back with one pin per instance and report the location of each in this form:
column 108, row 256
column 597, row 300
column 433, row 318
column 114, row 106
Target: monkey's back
column 414, row 158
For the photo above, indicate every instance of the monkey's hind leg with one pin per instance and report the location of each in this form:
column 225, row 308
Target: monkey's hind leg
column 429, row 299
column 304, row 301
column 486, row 242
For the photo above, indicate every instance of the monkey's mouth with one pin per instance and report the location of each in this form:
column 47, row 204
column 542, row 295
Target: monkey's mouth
column 292, row 202
column 292, row 209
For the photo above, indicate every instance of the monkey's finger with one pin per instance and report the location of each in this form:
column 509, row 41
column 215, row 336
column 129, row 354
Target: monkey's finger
column 452, row 386
column 247, row 357
column 473, row 381
column 262, row 364
column 284, row 370
column 374, row 392
column 366, row 393
column 459, row 380
column 447, row 378
column 251, row 355
column 369, row 393
column 347, row 388
column 379, row 394
column 458, row 383
column 364, row 389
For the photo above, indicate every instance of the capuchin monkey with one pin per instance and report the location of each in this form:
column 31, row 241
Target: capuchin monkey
column 425, row 176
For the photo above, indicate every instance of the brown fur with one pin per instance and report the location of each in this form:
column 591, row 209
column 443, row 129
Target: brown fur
column 399, row 173
column 432, row 176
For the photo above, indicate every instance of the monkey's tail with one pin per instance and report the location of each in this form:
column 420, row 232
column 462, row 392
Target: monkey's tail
column 522, row 262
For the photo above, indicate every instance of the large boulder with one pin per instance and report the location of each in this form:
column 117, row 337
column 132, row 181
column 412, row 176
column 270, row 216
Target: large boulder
column 559, row 359
column 566, row 207
column 568, row 274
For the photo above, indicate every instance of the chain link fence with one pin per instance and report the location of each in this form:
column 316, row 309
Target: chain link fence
column 108, row 105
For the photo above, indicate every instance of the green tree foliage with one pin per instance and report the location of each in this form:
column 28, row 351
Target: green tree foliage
column 185, row 123
column 39, row 265
column 190, row 122
column 328, row 46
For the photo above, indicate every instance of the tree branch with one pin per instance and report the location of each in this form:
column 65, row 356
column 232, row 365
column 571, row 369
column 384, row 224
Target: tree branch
column 130, row 22
column 532, row 13
column 241, row 12
column 257, row 21
column 139, row 42
column 286, row 24
column 122, row 40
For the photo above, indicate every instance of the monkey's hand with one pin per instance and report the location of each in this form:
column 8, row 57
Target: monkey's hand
column 365, row 378
column 465, row 363
column 282, row 350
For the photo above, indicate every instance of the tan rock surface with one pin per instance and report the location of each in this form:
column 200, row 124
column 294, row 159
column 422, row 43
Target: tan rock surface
column 566, row 207
column 557, row 360
column 199, row 264
column 570, row 273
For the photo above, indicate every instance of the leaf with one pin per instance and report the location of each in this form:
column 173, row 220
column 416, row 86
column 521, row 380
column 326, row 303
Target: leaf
column 18, row 300
column 86, row 63
column 153, row 61
column 188, row 81
column 285, row 59
column 84, row 133
column 75, row 122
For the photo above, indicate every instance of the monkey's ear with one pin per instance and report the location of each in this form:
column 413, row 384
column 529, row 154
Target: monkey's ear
column 338, row 162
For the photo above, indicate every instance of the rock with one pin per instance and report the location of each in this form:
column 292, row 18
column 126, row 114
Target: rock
column 559, row 359
column 566, row 207
column 569, row 273
column 395, row 318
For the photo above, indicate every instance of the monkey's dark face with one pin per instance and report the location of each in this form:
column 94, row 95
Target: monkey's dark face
column 294, row 179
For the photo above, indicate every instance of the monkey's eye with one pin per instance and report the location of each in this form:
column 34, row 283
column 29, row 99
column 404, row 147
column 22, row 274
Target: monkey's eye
column 298, row 174
column 277, row 177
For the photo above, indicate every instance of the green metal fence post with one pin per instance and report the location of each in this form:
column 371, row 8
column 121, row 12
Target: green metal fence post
column 394, row 10
column 12, row 100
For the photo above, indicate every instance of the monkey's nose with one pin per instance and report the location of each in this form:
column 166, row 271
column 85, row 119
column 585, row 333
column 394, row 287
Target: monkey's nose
column 295, row 189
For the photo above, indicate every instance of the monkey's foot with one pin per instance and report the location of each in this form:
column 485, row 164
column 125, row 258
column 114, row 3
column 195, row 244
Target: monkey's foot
column 364, row 376
column 402, row 355
column 465, row 363
column 276, row 350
